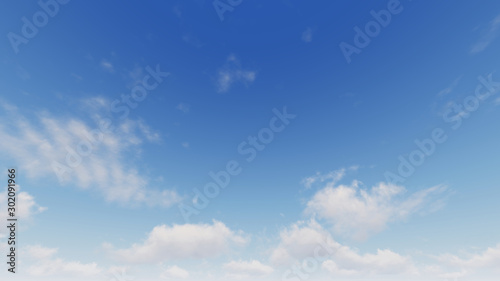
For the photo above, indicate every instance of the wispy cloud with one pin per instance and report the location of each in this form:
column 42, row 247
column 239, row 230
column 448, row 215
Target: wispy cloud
column 81, row 155
column 490, row 34
column 307, row 35
column 450, row 87
column 184, row 107
column 77, row 77
column 332, row 177
column 233, row 72
column 107, row 66
column 177, row 11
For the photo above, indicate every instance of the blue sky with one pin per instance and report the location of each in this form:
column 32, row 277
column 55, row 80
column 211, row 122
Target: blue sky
column 114, row 115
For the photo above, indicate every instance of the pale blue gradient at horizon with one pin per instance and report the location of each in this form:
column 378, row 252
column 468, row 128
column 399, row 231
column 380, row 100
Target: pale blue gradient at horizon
column 224, row 79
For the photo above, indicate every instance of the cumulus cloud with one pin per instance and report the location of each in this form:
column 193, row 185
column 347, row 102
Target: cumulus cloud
column 91, row 157
column 305, row 240
column 174, row 272
column 233, row 72
column 359, row 212
column 245, row 269
column 300, row 241
column 187, row 241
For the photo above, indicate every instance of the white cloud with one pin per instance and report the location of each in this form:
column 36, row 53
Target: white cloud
column 232, row 72
column 38, row 252
column 300, row 241
column 26, row 207
column 118, row 273
column 488, row 36
column 471, row 265
column 382, row 262
column 332, row 177
column 245, row 269
column 47, row 265
column 130, row 127
column 188, row 241
column 95, row 104
column 175, row 272
column 106, row 65
column 488, row 258
column 450, row 88
column 333, row 268
column 77, row 154
column 307, row 35
column 309, row 240
column 453, row 275
column 359, row 213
